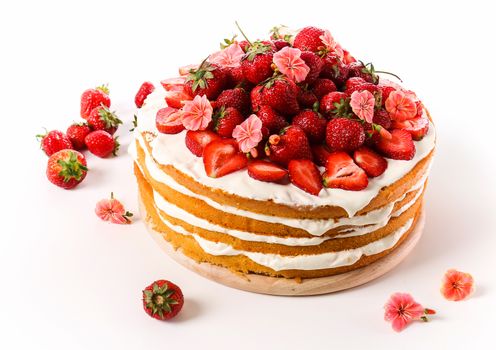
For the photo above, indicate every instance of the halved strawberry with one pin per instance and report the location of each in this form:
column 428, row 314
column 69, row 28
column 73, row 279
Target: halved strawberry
column 373, row 164
column 173, row 84
column 343, row 173
column 266, row 171
column 304, row 174
column 184, row 70
column 176, row 99
column 400, row 146
column 320, row 154
column 197, row 140
column 417, row 127
column 168, row 121
column 222, row 157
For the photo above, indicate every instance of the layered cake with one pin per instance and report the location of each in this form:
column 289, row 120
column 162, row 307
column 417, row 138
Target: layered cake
column 284, row 157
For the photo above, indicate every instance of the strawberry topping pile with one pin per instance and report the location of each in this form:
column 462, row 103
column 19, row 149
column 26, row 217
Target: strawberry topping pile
column 296, row 108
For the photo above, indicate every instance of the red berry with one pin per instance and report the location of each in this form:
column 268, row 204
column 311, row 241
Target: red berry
column 417, row 127
column 266, row 171
column 373, row 164
column 208, row 79
column 162, row 300
column 354, row 81
column 306, row 98
column 237, row 98
column 235, row 76
column 92, row 98
column 257, row 63
column 76, row 133
column 382, row 118
column 374, row 89
column 145, row 89
column 304, row 174
column 315, row 63
column 367, row 73
column 101, row 118
column 54, row 141
column 334, row 69
column 400, row 146
column 226, row 120
column 344, row 134
column 322, row 87
column 308, row 39
column 176, row 98
column 320, row 154
column 342, row 172
column 280, row 44
column 291, row 143
column 66, row 168
column 168, row 121
column 256, row 97
column 173, row 84
column 335, row 104
column 222, row 157
column 271, row 120
column 385, row 91
column 281, row 94
column 101, row 143
column 197, row 140
column 313, row 124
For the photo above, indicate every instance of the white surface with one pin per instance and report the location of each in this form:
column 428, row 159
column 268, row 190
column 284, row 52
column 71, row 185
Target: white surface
column 70, row 281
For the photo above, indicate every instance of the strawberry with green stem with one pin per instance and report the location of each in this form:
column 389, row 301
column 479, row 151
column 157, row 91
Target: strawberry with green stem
column 162, row 300
column 101, row 118
column 66, row 168
column 208, row 79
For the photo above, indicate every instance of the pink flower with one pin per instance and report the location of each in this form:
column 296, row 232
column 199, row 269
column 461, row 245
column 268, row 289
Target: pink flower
column 197, row 114
column 112, row 210
column 229, row 57
column 457, row 285
column 248, row 133
column 401, row 310
column 362, row 103
column 331, row 44
column 289, row 63
column 401, row 106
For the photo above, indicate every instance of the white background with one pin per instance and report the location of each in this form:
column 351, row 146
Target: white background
column 70, row 281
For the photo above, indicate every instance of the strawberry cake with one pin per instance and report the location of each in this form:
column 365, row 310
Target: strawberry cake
column 285, row 157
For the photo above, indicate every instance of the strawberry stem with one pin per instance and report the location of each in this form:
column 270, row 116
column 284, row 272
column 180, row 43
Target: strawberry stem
column 242, row 33
column 394, row 75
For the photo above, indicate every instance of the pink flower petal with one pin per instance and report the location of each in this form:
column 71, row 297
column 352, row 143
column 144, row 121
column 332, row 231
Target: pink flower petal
column 229, row 57
column 362, row 103
column 248, row 133
column 457, row 285
column 401, row 309
column 331, row 44
column 289, row 63
column 401, row 106
column 112, row 210
column 197, row 114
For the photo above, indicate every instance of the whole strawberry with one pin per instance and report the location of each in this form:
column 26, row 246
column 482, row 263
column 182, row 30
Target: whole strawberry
column 101, row 143
column 237, row 98
column 256, row 97
column 208, row 79
column 162, row 300
column 257, row 63
column 281, row 94
column 76, row 133
column 306, row 98
column 101, row 118
column 66, row 168
column 92, row 98
column 226, row 120
column 272, row 122
column 335, row 104
column 308, row 39
column 145, row 89
column 344, row 134
column 334, row 69
column 366, row 72
column 54, row 141
column 313, row 124
column 322, row 87
column 291, row 143
column 315, row 63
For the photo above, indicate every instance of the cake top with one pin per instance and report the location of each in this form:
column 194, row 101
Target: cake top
column 295, row 109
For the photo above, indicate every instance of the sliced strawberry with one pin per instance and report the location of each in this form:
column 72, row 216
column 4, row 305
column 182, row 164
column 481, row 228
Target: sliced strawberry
column 373, row 164
column 197, row 140
column 266, row 171
column 184, row 70
column 417, row 127
column 168, row 121
column 304, row 174
column 343, row 173
column 173, row 84
column 400, row 146
column 320, row 154
column 222, row 157
column 176, row 99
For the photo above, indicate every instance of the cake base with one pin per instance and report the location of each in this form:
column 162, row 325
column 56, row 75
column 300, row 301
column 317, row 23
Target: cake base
column 291, row 287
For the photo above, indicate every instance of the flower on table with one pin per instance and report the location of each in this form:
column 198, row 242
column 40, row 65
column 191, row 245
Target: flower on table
column 457, row 285
column 401, row 309
column 113, row 211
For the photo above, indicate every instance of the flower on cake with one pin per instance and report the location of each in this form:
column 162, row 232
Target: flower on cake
column 457, row 285
column 331, row 45
column 362, row 104
column 113, row 211
column 197, row 114
column 248, row 134
column 401, row 106
column 401, row 309
column 289, row 62
column 230, row 57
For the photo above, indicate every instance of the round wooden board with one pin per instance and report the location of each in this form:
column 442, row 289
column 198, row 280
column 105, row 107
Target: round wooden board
column 290, row 287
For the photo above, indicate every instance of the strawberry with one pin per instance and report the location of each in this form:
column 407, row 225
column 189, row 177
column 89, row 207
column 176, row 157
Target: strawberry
column 54, row 141
column 322, row 87
column 256, row 97
column 197, row 140
column 320, row 154
column 374, row 89
column 208, row 79
column 347, row 57
column 308, row 39
column 162, row 300
column 315, row 63
column 101, row 118
column 101, row 143
column 145, row 89
column 334, row 69
column 271, row 120
column 226, row 120
column 335, row 104
column 417, row 127
column 385, row 91
column 382, row 118
column 173, row 84
column 257, row 63
column 168, row 121
column 266, row 171
column 66, row 168
column 373, row 164
column 185, row 70
column 76, row 133
column 92, row 98
column 304, row 174
column 221, row 157
column 313, row 124
column 400, row 146
column 341, row 172
column 353, row 81
column 235, row 76
column 280, row 44
column 291, row 143
column 344, row 134
column 281, row 94
column 176, row 98
column 366, row 72
column 306, row 98
column 237, row 98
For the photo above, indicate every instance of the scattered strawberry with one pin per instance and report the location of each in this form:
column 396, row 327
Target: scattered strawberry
column 308, row 39
column 306, row 98
column 92, row 98
column 101, row 118
column 335, row 104
column 168, row 121
column 237, row 98
column 208, row 80
column 291, row 143
column 373, row 164
column 222, row 157
column 271, row 120
column 176, row 98
column 226, row 120
column 101, row 143
column 320, row 154
column 281, row 94
column 322, row 87
column 334, row 69
column 342, row 172
column 257, row 64
column 66, row 168
column 197, row 140
column 266, row 171
column 315, row 63
column 162, row 300
column 76, row 133
column 304, row 174
column 344, row 134
column 313, row 124
column 145, row 89
column 400, row 146
column 173, row 84
column 417, row 127
column 54, row 141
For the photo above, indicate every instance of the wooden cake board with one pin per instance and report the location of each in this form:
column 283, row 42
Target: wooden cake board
column 290, row 287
